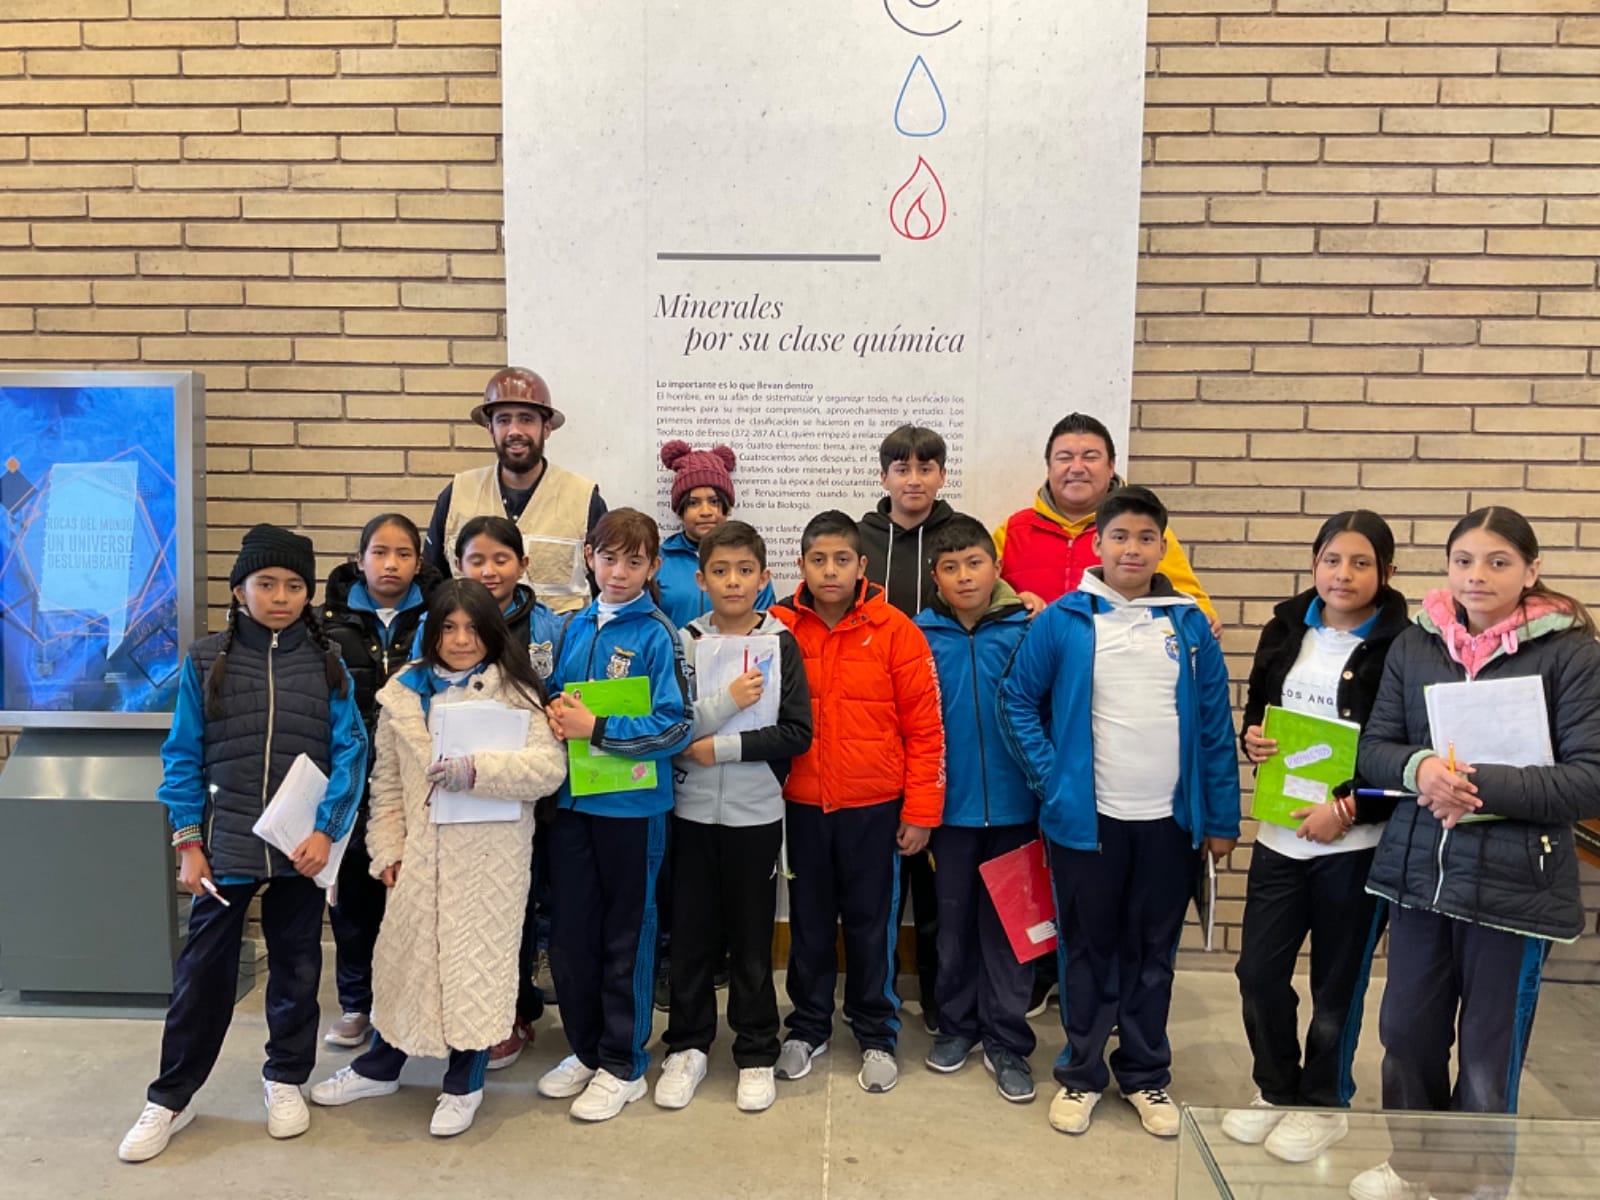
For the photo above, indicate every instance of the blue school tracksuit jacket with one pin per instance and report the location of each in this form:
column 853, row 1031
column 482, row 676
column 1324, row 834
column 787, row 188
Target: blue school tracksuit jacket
column 638, row 641
column 1046, row 704
column 681, row 598
column 984, row 784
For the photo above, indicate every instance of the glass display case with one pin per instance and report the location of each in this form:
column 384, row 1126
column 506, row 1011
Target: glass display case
column 1432, row 1156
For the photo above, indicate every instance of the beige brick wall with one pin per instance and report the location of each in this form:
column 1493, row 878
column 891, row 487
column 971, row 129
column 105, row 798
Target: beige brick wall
column 1368, row 273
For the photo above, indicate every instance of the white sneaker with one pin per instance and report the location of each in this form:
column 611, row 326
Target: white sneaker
column 680, row 1075
column 151, row 1132
column 757, row 1089
column 1382, row 1183
column 351, row 1029
column 287, row 1114
column 454, row 1114
column 1157, row 1112
column 1301, row 1136
column 606, row 1096
column 1072, row 1110
column 1251, row 1125
column 566, row 1079
column 345, row 1085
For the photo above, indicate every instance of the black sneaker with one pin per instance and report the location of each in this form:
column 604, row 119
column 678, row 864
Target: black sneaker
column 930, row 1020
column 663, row 996
column 1043, row 989
column 949, row 1053
column 1011, row 1075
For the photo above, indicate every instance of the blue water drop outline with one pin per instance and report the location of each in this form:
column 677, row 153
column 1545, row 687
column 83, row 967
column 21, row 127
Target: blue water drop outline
column 944, row 112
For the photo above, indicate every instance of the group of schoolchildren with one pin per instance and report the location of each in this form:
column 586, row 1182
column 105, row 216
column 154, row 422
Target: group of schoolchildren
column 1101, row 724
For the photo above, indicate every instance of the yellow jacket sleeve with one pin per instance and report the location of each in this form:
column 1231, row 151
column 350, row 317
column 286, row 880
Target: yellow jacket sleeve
column 1175, row 566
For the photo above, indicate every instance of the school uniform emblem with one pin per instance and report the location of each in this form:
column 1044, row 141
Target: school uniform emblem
column 544, row 658
column 621, row 663
column 1172, row 646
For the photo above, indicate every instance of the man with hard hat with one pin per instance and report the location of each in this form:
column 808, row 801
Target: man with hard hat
column 554, row 508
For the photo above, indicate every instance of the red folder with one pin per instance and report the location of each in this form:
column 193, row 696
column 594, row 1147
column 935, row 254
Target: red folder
column 1019, row 885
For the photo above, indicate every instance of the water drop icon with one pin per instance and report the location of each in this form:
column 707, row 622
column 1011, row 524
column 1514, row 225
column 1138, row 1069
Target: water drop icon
column 919, row 111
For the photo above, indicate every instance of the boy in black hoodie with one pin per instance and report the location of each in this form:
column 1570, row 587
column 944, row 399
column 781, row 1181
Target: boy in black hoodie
column 896, row 543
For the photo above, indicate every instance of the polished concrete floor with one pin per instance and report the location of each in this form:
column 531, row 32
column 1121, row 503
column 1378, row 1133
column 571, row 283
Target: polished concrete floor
column 71, row 1088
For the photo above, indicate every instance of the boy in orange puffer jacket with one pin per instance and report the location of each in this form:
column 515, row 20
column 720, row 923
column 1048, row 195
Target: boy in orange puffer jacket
column 870, row 789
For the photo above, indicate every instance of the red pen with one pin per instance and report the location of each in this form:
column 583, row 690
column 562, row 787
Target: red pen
column 747, row 661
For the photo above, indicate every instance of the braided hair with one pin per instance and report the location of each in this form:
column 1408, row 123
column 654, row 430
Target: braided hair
column 219, row 666
column 333, row 664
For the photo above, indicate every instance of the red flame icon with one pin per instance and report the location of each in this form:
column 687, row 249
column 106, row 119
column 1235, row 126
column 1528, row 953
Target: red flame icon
column 917, row 210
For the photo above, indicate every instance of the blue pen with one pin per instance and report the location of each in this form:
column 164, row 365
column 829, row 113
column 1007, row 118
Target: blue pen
column 1385, row 794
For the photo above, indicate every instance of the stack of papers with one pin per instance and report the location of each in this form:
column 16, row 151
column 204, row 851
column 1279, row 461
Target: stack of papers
column 291, row 816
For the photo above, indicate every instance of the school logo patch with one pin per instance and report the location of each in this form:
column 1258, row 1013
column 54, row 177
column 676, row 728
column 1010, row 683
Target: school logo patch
column 543, row 655
column 621, row 663
column 1172, row 646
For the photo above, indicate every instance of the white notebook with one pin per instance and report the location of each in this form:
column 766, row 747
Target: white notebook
column 466, row 728
column 719, row 660
column 1491, row 721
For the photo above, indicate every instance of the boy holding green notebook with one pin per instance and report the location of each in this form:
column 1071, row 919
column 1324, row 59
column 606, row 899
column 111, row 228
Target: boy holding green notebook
column 607, row 846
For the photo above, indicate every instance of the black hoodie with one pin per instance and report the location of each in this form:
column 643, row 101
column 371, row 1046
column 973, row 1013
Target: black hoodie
column 370, row 656
column 897, row 559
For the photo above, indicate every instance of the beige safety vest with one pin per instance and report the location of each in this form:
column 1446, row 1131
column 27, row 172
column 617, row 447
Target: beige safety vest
column 553, row 528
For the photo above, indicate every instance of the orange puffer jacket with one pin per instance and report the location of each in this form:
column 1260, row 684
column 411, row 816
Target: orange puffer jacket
column 877, row 730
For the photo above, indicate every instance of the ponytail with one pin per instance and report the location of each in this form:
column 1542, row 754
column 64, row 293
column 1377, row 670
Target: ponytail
column 1583, row 619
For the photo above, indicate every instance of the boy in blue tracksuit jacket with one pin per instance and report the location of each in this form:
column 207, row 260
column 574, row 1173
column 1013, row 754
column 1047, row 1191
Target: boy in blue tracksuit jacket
column 1117, row 706
column 975, row 625
column 606, row 850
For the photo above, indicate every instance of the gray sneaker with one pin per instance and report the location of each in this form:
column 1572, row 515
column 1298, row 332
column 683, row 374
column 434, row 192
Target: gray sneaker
column 879, row 1072
column 794, row 1058
column 1011, row 1075
column 949, row 1053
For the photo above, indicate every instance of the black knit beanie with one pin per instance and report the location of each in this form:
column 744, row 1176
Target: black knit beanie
column 274, row 546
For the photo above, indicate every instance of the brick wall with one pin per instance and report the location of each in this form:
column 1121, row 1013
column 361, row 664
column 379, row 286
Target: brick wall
column 1369, row 240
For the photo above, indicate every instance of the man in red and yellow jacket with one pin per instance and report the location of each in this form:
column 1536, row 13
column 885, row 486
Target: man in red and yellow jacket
column 870, row 788
column 1044, row 550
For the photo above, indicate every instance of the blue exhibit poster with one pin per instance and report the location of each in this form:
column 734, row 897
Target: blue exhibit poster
column 88, row 550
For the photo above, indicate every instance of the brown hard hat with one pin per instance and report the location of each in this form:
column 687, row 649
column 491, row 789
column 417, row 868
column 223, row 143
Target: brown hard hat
column 518, row 385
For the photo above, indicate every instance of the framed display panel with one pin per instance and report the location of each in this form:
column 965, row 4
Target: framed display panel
column 102, row 500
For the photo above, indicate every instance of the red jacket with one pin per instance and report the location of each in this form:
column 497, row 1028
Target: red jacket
column 877, row 730
column 1045, row 553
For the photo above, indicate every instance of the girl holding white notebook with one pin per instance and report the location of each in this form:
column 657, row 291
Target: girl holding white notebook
column 1475, row 904
column 445, row 970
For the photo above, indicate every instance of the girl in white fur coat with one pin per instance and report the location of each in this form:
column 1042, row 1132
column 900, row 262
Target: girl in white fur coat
column 445, row 968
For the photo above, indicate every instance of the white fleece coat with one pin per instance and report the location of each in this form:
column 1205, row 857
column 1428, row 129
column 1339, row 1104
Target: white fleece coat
column 444, row 974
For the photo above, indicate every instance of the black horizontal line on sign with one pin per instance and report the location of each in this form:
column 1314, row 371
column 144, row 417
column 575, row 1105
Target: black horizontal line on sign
column 690, row 256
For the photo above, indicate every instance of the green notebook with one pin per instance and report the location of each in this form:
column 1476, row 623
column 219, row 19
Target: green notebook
column 1315, row 755
column 594, row 771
